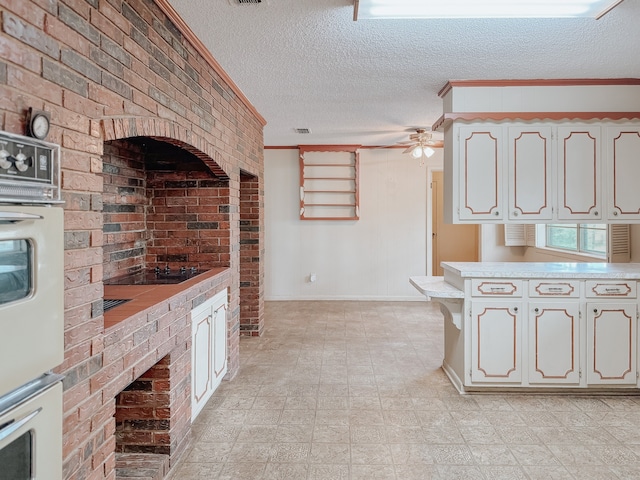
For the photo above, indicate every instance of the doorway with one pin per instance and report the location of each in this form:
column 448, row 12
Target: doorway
column 450, row 243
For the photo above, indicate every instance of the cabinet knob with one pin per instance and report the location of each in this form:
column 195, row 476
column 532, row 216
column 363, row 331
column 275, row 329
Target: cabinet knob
column 595, row 214
column 497, row 213
column 595, row 310
column 515, row 309
column 515, row 214
column 536, row 310
column 615, row 213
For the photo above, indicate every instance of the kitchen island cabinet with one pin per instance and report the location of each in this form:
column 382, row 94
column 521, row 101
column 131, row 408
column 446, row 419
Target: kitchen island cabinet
column 532, row 326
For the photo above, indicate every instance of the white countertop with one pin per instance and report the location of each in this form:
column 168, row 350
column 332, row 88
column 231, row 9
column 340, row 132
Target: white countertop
column 629, row 271
column 435, row 287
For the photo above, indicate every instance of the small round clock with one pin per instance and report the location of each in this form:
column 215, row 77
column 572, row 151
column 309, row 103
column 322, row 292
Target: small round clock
column 38, row 124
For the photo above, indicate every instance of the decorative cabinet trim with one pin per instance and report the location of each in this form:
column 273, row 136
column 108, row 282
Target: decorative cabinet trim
column 580, row 175
column 600, row 289
column 530, row 162
column 484, row 161
column 496, row 332
column 625, row 146
column 329, row 182
column 545, row 288
column 553, row 343
column 490, row 288
column 612, row 344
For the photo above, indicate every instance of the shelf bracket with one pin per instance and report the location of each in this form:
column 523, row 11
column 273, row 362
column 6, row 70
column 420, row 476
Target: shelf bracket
column 451, row 308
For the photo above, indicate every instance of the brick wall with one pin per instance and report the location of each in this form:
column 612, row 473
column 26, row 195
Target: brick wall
column 188, row 220
column 108, row 70
column 251, row 256
column 124, row 208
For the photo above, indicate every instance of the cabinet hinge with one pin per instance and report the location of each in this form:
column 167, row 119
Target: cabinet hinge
column 637, row 374
column 580, row 373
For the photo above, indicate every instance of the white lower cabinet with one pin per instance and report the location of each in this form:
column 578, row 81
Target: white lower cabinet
column 611, row 343
column 208, row 349
column 551, row 333
column 496, row 341
column 554, row 342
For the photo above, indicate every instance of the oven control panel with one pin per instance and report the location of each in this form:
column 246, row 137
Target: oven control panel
column 29, row 170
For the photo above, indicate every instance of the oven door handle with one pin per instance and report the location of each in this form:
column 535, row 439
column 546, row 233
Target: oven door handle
column 14, row 217
column 17, row 424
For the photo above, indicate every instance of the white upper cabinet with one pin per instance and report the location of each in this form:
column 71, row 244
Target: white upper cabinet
column 529, row 172
column 579, row 173
column 541, row 151
column 622, row 150
column 543, row 173
column 481, row 158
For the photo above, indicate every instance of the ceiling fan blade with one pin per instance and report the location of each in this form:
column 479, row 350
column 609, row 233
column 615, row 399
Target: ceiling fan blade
column 410, row 149
column 435, row 143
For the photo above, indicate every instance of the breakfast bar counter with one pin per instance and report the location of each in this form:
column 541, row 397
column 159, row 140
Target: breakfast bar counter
column 538, row 326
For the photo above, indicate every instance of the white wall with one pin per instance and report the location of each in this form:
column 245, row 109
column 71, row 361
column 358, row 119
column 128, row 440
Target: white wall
column 372, row 258
column 368, row 259
column 492, row 247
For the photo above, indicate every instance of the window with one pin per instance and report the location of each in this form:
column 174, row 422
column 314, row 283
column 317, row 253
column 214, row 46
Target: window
column 587, row 238
column 607, row 242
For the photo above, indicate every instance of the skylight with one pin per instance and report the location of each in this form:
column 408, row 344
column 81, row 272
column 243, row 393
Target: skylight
column 368, row 9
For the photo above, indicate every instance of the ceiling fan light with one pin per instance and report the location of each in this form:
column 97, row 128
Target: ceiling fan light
column 479, row 9
column 417, row 152
column 428, row 151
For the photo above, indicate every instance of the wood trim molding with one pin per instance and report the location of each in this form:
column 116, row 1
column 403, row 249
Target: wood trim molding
column 191, row 37
column 448, row 118
column 537, row 83
column 328, row 148
column 436, row 144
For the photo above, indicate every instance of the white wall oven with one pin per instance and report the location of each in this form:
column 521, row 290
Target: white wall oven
column 31, row 292
column 31, row 431
column 31, row 309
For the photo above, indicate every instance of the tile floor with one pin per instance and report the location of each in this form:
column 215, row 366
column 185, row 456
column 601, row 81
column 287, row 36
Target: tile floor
column 354, row 390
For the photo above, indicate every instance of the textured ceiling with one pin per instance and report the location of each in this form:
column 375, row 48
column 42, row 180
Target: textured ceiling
column 307, row 64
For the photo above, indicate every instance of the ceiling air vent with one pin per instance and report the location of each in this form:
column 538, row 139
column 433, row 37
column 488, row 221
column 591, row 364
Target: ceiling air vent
column 245, row 2
column 302, row 131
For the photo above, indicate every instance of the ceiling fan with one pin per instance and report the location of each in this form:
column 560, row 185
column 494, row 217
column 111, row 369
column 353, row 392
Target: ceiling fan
column 421, row 145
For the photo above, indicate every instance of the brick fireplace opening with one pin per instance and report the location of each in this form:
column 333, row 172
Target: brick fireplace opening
column 152, row 419
column 162, row 207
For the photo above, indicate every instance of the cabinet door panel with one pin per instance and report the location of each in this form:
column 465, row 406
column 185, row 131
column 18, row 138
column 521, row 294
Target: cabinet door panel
column 623, row 161
column 554, row 342
column 481, row 173
column 201, row 359
column 208, row 349
column 529, row 157
column 495, row 342
column 220, row 344
column 611, row 343
column 579, row 173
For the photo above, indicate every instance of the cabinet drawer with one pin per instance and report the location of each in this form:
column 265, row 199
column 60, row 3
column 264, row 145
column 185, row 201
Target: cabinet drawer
column 554, row 288
column 496, row 288
column 603, row 289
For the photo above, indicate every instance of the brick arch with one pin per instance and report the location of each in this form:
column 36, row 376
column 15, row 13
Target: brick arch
column 167, row 131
